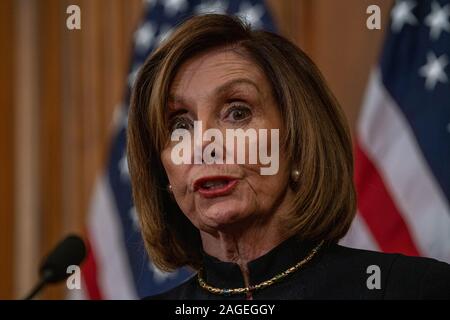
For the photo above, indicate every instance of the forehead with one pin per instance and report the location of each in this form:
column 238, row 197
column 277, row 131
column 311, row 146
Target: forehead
column 208, row 70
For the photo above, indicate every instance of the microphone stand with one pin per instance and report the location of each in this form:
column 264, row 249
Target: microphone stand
column 41, row 284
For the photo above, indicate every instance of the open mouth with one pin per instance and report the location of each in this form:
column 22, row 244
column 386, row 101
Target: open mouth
column 215, row 186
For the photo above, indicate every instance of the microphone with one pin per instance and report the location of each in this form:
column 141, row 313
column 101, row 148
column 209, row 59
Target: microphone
column 70, row 251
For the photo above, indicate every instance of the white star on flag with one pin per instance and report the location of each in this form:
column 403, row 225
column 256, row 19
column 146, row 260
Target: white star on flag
column 123, row 168
column 216, row 6
column 401, row 14
column 120, row 117
column 164, row 32
column 438, row 20
column 134, row 218
column 144, row 37
column 133, row 75
column 433, row 71
column 251, row 14
column 172, row 7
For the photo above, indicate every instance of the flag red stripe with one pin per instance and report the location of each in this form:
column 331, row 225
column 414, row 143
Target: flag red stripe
column 378, row 210
column 89, row 272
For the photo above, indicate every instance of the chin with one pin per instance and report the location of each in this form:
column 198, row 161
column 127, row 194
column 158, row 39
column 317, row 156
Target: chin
column 225, row 213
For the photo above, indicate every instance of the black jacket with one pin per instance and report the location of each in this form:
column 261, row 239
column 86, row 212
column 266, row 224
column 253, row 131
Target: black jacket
column 336, row 272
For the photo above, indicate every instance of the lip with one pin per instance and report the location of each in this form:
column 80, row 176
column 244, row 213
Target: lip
column 216, row 192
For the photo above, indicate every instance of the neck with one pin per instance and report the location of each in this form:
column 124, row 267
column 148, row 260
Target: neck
column 242, row 247
column 245, row 241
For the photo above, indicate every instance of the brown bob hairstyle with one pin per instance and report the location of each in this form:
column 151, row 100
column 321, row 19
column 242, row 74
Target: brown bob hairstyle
column 316, row 138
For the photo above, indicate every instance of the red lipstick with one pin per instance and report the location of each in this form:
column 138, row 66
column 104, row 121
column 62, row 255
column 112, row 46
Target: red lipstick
column 215, row 186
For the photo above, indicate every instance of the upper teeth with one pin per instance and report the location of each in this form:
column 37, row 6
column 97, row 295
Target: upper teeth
column 210, row 184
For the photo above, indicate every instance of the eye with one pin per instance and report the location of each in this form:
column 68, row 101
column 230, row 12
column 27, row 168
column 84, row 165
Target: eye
column 181, row 123
column 238, row 113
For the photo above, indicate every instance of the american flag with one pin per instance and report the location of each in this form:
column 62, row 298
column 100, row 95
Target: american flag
column 117, row 266
column 402, row 153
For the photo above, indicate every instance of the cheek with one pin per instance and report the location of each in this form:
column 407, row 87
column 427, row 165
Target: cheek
column 268, row 185
column 174, row 172
column 167, row 163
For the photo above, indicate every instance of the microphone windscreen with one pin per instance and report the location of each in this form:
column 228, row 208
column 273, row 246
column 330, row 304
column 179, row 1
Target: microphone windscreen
column 70, row 251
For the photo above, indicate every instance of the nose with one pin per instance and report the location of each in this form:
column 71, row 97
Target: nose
column 208, row 144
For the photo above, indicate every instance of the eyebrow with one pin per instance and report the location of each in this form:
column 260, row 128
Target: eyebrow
column 221, row 90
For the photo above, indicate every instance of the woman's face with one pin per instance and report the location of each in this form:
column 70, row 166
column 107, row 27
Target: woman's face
column 224, row 91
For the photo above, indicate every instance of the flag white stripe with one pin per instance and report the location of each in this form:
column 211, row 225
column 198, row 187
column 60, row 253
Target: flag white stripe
column 389, row 141
column 114, row 275
column 359, row 236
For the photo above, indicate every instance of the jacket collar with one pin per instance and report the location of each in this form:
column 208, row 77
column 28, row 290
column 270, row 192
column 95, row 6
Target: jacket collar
column 222, row 274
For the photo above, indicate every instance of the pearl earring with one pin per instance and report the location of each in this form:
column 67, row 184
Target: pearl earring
column 169, row 188
column 295, row 175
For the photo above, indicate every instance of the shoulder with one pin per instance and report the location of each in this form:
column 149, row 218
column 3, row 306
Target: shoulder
column 181, row 292
column 345, row 273
column 423, row 278
column 401, row 277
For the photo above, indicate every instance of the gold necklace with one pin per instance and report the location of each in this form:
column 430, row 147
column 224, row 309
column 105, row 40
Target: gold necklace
column 261, row 285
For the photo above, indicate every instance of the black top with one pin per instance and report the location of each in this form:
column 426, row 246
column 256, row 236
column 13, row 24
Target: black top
column 336, row 272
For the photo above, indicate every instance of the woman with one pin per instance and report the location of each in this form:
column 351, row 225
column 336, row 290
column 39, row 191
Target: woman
column 251, row 235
